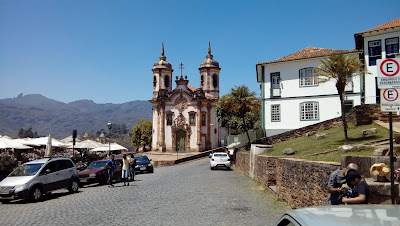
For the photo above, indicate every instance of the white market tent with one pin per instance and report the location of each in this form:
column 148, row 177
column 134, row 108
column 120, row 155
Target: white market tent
column 6, row 143
column 112, row 147
column 89, row 144
column 42, row 141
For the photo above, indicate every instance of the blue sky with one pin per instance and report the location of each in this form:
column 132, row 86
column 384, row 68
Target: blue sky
column 104, row 51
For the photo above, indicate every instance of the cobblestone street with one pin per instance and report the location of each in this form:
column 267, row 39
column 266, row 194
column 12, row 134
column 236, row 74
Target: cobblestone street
column 188, row 194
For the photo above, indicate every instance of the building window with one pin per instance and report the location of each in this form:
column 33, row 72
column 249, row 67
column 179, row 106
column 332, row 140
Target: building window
column 309, row 111
column 154, row 81
column 306, row 77
column 275, row 84
column 201, row 80
column 348, row 105
column 215, row 80
column 166, row 81
column 203, row 119
column 276, row 113
column 192, row 119
column 374, row 51
column 392, row 47
column 169, row 119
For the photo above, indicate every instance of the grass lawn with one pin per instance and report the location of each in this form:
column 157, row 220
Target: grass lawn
column 309, row 145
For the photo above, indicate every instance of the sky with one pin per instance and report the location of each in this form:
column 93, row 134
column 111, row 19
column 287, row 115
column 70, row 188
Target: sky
column 104, row 51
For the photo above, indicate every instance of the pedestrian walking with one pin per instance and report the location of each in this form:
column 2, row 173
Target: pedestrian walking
column 132, row 167
column 111, row 168
column 125, row 169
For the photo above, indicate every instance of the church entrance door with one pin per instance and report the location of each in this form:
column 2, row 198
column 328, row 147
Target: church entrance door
column 180, row 141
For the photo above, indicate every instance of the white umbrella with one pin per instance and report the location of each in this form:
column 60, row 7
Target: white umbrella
column 42, row 141
column 8, row 143
column 47, row 153
column 89, row 144
column 112, row 147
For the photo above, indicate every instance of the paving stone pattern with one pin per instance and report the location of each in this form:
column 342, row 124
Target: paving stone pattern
column 189, row 194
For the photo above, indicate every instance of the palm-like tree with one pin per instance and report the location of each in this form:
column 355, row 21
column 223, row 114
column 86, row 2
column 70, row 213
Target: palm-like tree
column 244, row 102
column 339, row 67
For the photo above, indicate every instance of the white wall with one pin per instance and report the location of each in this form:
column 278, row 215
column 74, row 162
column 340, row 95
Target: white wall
column 292, row 95
column 370, row 87
column 290, row 86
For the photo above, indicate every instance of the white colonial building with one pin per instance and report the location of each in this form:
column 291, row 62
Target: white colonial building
column 380, row 42
column 291, row 99
column 184, row 118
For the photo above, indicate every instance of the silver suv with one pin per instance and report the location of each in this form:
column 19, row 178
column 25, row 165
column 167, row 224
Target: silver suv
column 35, row 178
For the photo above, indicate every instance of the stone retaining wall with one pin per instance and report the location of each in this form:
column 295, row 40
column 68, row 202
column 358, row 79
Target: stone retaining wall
column 303, row 183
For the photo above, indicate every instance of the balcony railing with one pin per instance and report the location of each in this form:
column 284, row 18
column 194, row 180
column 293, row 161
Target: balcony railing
column 372, row 100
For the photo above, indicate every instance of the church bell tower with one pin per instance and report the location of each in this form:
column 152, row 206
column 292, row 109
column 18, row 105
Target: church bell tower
column 209, row 76
column 162, row 76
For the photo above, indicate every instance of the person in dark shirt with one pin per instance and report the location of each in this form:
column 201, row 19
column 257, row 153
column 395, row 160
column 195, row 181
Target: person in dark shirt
column 111, row 168
column 360, row 188
column 337, row 184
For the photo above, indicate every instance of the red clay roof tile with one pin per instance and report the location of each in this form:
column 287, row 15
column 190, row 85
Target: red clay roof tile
column 310, row 52
column 393, row 23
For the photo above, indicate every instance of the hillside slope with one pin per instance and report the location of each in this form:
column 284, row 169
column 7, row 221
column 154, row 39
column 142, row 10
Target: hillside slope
column 47, row 116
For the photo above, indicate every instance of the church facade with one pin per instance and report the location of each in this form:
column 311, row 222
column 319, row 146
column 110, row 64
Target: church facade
column 184, row 118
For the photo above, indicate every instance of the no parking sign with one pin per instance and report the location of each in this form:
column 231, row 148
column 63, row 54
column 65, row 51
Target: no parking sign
column 390, row 101
column 388, row 73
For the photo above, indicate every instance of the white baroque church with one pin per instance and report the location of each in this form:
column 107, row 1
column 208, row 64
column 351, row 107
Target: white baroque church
column 184, row 118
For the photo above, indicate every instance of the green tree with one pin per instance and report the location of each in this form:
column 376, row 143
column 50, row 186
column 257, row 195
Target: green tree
column 339, row 68
column 239, row 110
column 142, row 133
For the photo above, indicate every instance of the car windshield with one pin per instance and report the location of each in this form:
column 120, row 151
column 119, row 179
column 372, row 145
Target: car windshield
column 142, row 159
column 220, row 155
column 99, row 164
column 26, row 170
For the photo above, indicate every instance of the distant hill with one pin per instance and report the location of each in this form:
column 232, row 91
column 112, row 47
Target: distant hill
column 47, row 116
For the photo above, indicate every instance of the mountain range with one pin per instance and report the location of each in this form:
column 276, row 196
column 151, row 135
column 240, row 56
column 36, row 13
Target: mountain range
column 48, row 116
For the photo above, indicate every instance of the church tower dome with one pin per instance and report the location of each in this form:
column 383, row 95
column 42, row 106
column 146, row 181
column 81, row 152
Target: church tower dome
column 162, row 76
column 209, row 76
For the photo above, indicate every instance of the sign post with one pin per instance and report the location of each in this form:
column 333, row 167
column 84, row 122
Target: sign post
column 388, row 81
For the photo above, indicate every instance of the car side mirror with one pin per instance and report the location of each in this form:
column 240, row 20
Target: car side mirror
column 47, row 171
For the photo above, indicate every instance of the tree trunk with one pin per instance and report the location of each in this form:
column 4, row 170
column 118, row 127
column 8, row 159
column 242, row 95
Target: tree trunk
column 247, row 133
column 341, row 95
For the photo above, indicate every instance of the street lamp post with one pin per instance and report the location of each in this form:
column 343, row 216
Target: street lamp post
column 109, row 125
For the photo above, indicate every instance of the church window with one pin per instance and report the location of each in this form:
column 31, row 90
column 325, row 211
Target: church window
column 169, row 119
column 192, row 119
column 154, row 81
column 166, row 81
column 201, row 80
column 203, row 119
column 215, row 80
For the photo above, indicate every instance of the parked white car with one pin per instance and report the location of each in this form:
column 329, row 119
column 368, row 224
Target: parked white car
column 220, row 159
column 335, row 215
column 35, row 178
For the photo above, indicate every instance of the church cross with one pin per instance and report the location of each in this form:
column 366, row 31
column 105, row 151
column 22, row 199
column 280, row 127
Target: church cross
column 181, row 67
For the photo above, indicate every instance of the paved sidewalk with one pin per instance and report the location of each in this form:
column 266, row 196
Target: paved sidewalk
column 396, row 125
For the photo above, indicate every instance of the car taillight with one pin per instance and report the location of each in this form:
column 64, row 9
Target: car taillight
column 212, row 159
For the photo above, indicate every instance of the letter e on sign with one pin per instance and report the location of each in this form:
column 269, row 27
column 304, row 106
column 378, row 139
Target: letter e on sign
column 390, row 94
column 389, row 68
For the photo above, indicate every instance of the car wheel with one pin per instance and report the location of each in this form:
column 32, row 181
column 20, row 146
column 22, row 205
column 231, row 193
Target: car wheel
column 36, row 194
column 73, row 187
column 5, row 201
column 211, row 168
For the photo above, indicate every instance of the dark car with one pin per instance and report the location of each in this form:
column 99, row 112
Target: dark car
column 143, row 164
column 97, row 172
